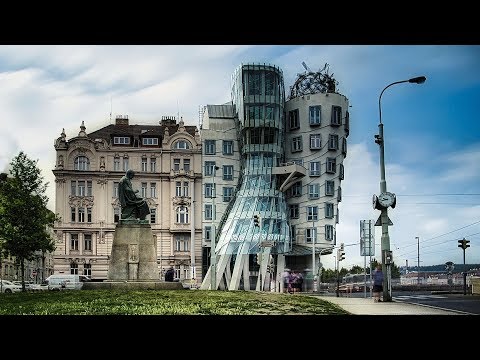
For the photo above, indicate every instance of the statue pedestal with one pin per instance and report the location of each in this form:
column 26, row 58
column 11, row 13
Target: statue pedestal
column 134, row 252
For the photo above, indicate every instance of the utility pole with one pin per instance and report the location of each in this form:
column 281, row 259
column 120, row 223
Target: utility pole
column 418, row 260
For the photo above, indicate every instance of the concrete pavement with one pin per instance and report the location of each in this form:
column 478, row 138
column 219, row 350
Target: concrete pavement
column 366, row 306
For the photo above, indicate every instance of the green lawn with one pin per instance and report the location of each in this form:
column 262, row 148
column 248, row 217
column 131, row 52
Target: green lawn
column 163, row 302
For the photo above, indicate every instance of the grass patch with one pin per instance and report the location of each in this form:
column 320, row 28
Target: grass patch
column 163, row 302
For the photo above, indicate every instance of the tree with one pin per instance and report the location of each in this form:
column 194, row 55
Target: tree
column 24, row 216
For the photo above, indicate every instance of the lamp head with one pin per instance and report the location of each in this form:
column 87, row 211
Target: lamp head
column 418, row 80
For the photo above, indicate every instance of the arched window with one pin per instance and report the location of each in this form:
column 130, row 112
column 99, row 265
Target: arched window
column 182, row 144
column 182, row 214
column 82, row 163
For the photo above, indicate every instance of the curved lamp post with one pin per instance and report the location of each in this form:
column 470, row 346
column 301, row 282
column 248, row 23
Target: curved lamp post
column 385, row 242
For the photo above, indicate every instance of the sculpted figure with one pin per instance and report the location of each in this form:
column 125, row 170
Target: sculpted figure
column 133, row 206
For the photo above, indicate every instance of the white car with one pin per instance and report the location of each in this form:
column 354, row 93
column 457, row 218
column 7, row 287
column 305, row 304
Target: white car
column 9, row 287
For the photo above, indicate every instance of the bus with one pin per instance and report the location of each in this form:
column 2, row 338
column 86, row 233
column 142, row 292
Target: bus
column 355, row 283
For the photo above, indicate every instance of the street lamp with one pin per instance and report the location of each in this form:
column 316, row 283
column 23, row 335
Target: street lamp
column 386, row 199
column 213, row 258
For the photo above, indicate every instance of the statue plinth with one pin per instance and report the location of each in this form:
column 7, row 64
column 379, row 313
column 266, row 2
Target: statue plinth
column 134, row 252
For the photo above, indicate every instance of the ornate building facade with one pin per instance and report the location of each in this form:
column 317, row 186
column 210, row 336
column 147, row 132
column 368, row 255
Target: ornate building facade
column 166, row 159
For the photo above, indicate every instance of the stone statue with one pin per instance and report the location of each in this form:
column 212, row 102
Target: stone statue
column 133, row 207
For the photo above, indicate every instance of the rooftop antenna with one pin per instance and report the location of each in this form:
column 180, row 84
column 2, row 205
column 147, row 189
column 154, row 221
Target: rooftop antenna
column 178, row 111
column 110, row 109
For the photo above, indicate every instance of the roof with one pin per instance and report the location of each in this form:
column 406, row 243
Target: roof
column 220, row 111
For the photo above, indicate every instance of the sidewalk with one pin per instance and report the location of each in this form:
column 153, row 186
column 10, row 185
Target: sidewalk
column 366, row 306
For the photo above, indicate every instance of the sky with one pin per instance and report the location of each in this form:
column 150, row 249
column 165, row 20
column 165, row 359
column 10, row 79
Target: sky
column 432, row 135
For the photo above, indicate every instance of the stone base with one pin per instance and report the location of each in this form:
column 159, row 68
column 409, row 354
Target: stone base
column 134, row 253
column 132, row 285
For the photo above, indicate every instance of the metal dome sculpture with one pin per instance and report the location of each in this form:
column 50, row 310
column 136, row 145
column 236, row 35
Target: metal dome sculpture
column 313, row 82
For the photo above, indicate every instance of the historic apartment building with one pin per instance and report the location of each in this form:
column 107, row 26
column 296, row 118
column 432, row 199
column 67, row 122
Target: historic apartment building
column 166, row 159
column 272, row 171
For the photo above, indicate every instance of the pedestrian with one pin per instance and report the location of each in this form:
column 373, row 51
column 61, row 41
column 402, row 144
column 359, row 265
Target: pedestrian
column 377, row 283
column 169, row 274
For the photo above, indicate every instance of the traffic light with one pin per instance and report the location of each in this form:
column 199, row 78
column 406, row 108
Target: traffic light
column 256, row 220
column 463, row 243
column 341, row 254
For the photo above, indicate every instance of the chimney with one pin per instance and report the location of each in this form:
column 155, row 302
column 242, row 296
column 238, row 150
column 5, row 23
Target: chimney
column 121, row 120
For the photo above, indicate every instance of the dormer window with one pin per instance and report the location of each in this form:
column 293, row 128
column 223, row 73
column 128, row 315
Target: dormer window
column 121, row 140
column 150, row 141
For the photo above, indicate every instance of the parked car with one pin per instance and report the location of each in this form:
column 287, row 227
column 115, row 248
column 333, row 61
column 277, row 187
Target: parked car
column 28, row 284
column 66, row 281
column 9, row 287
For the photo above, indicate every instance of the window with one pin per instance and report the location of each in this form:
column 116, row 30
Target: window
column 333, row 142
column 329, row 187
column 227, row 172
column 144, row 189
column 298, row 161
column 81, row 215
column 269, row 83
column 347, row 123
column 185, row 188
column 329, row 232
column 312, row 213
column 73, row 268
column 181, row 145
column 267, row 160
column 264, row 203
column 182, row 242
column 125, row 163
column 339, row 194
column 186, row 165
column 315, row 141
column 336, row 116
column 81, row 188
column 150, row 141
column 255, row 135
column 227, row 147
column 121, row 140
column 297, row 144
column 153, row 215
column 74, row 242
column 208, row 233
column 87, row 270
column 178, row 188
column 209, row 190
column 144, row 164
column 115, row 189
column 182, row 215
column 269, row 135
column 153, row 165
column 342, row 172
column 329, row 210
column 344, row 147
column 255, row 112
column 294, row 211
column 89, row 215
column 297, row 189
column 209, row 168
column 331, row 166
column 313, row 191
column 208, row 212
column 227, row 193
column 315, row 113
column 293, row 119
column 311, row 235
column 153, row 190
column 209, row 147
column 314, row 168
column 254, row 83
column 81, row 163
column 176, row 164
column 87, row 242
column 73, row 213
